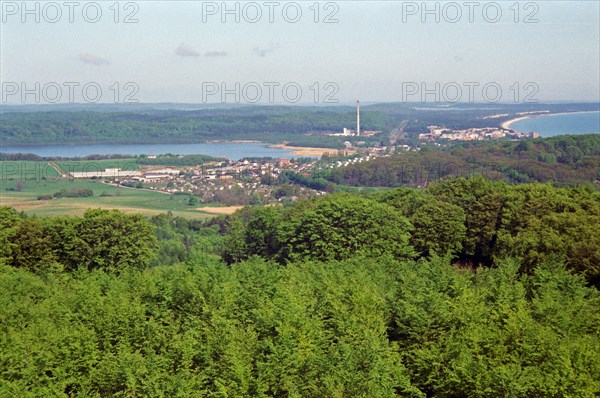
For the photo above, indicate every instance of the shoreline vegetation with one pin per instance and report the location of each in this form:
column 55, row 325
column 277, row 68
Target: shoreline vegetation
column 231, row 142
column 506, row 124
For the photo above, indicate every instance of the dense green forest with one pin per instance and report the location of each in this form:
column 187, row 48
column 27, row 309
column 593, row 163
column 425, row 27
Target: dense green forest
column 300, row 126
column 269, row 124
column 469, row 288
column 475, row 221
column 361, row 327
column 167, row 159
column 564, row 160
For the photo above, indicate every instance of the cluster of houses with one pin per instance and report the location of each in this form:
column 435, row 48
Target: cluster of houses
column 207, row 181
column 157, row 176
column 220, row 180
column 473, row 134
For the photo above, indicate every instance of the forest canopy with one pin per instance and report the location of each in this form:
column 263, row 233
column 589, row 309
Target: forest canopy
column 467, row 288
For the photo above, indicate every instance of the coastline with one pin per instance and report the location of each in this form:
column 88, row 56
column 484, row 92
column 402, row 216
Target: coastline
column 308, row 151
column 232, row 142
column 506, row 125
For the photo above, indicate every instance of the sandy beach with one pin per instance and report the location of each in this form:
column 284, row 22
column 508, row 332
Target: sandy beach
column 308, row 151
column 506, row 124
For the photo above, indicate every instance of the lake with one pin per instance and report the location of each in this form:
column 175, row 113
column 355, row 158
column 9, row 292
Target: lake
column 230, row 150
column 566, row 123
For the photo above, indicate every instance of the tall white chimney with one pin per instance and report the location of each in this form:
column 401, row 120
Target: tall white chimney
column 357, row 118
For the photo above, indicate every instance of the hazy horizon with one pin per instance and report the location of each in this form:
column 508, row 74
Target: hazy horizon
column 300, row 53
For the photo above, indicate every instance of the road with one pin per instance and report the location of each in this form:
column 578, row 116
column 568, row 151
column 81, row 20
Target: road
column 398, row 133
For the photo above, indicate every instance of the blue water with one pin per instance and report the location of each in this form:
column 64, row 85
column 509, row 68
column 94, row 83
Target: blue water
column 229, row 150
column 551, row 125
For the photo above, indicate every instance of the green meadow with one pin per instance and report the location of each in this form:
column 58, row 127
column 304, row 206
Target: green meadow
column 23, row 196
column 98, row 165
column 26, row 170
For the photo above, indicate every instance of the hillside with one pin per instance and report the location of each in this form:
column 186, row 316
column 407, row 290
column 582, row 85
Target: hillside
column 564, row 160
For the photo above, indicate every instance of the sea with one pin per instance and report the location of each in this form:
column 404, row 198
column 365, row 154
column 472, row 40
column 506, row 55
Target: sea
column 229, row 150
column 566, row 123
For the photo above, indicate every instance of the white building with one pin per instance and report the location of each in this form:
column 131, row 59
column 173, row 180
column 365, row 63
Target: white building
column 107, row 173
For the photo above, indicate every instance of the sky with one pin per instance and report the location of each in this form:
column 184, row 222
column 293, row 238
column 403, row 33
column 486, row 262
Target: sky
column 304, row 52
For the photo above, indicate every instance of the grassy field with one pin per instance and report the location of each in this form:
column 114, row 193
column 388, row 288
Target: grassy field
column 12, row 170
column 98, row 165
column 125, row 199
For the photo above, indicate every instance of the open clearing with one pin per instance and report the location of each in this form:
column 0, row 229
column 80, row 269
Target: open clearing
column 25, row 198
column 310, row 151
column 220, row 210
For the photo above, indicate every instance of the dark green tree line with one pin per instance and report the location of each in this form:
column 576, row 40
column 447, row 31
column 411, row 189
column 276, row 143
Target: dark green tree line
column 101, row 239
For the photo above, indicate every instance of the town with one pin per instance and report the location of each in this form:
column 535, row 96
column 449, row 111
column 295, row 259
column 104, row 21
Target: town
column 242, row 182
column 437, row 133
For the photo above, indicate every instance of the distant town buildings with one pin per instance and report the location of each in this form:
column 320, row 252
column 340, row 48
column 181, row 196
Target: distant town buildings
column 473, row 134
column 107, row 173
column 238, row 182
column 150, row 175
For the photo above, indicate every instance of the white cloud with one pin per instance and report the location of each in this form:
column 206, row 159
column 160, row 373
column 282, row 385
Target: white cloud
column 263, row 52
column 215, row 54
column 93, row 59
column 185, row 51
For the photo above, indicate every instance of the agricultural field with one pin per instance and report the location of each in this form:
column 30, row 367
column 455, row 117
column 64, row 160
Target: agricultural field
column 98, row 165
column 12, row 170
column 23, row 196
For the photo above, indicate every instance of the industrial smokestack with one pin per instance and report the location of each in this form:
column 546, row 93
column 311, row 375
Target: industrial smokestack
column 357, row 118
